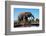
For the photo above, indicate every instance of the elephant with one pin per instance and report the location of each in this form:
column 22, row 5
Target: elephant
column 23, row 17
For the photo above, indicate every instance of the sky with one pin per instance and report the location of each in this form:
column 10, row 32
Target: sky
column 17, row 11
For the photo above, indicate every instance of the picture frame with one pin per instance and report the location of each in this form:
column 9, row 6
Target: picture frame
column 9, row 20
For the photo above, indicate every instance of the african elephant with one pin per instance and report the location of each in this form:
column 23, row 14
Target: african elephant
column 24, row 16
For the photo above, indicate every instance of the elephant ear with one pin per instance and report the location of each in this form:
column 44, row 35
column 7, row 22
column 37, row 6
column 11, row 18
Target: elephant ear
column 29, row 14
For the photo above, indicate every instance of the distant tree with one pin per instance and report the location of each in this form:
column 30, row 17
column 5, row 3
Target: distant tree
column 37, row 20
column 33, row 20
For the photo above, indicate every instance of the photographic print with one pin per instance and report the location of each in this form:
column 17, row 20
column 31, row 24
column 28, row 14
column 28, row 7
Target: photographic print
column 24, row 17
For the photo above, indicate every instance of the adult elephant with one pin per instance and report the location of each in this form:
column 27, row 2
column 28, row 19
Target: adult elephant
column 23, row 17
